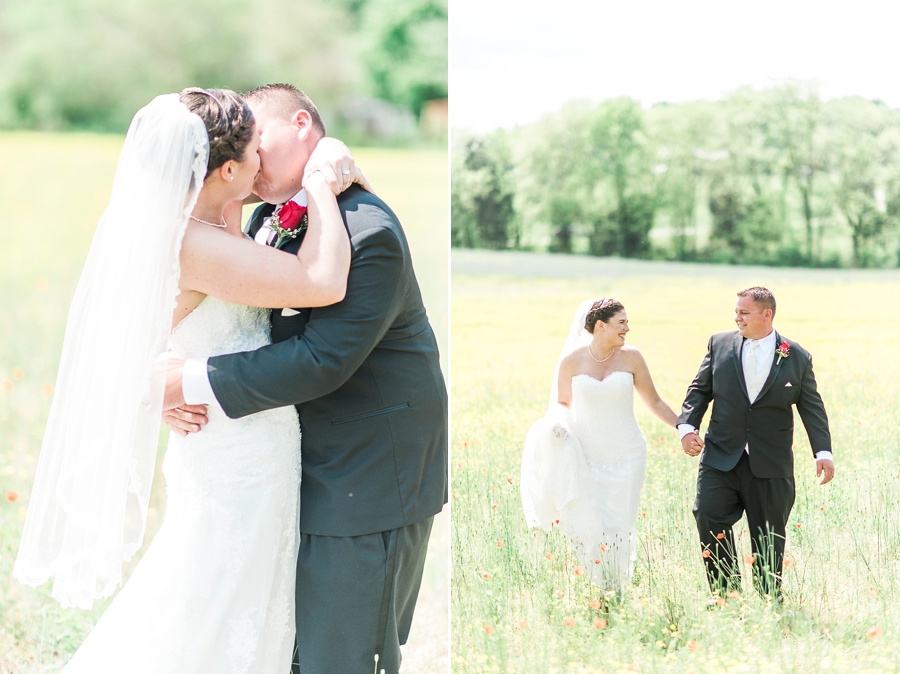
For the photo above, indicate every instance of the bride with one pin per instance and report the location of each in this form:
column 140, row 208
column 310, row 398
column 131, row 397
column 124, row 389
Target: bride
column 215, row 590
column 584, row 462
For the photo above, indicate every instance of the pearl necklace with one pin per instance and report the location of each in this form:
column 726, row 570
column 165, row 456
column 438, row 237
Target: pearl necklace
column 211, row 224
column 605, row 359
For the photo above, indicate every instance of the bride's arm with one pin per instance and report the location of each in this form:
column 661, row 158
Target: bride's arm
column 244, row 272
column 564, row 383
column 643, row 383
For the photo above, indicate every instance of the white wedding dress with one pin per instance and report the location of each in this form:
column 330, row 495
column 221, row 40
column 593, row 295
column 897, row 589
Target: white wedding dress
column 214, row 592
column 582, row 472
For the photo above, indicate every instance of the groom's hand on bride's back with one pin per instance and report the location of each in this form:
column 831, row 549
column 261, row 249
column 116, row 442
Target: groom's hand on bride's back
column 185, row 419
column 180, row 417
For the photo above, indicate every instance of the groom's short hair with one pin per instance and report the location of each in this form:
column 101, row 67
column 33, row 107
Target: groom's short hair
column 285, row 99
column 762, row 296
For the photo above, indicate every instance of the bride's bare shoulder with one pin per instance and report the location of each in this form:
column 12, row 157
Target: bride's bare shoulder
column 573, row 361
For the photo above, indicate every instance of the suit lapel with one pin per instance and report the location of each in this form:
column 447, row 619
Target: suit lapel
column 736, row 354
column 256, row 221
column 773, row 371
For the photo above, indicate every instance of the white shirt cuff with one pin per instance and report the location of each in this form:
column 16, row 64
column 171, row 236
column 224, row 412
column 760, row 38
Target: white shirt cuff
column 195, row 383
column 684, row 429
column 824, row 454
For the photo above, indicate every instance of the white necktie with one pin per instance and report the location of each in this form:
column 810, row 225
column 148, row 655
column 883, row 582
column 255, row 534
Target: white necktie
column 751, row 372
column 751, row 357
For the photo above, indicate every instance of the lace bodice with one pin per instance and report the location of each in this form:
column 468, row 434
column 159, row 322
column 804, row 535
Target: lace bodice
column 216, row 327
column 604, row 415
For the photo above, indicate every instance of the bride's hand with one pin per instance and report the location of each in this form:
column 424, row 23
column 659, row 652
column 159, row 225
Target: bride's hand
column 333, row 159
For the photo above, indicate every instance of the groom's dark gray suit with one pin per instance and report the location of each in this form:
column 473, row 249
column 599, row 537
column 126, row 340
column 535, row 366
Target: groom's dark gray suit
column 365, row 377
column 747, row 464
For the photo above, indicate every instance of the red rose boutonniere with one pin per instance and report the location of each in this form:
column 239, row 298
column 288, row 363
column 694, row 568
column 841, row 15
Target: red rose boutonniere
column 288, row 221
column 783, row 351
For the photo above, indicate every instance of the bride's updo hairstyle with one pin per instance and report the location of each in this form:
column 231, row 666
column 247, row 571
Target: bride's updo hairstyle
column 601, row 310
column 229, row 123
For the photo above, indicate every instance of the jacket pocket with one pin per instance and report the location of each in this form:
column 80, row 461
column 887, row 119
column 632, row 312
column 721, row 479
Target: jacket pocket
column 368, row 415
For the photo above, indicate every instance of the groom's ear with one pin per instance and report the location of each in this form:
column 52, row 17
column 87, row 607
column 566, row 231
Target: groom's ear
column 303, row 122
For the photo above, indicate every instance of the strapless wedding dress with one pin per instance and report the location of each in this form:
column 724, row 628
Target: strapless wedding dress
column 214, row 592
column 582, row 472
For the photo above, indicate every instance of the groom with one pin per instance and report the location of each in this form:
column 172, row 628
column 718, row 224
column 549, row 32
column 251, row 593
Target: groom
column 754, row 376
column 365, row 378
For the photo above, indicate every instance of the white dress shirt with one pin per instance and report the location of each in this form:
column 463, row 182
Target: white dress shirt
column 756, row 364
column 195, row 384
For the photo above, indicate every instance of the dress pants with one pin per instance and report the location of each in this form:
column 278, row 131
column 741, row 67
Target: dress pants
column 722, row 497
column 355, row 599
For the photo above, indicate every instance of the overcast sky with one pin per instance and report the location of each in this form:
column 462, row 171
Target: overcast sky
column 512, row 61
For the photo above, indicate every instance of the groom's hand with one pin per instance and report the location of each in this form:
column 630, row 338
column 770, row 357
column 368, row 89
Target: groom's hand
column 174, row 396
column 692, row 444
column 825, row 467
column 185, row 419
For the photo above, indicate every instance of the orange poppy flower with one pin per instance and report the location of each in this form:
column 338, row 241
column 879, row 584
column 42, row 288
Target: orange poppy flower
column 600, row 623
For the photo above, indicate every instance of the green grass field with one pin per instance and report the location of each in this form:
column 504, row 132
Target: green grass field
column 54, row 190
column 515, row 610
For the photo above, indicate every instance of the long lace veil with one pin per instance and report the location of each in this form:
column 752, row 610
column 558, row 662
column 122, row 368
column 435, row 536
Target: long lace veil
column 88, row 507
column 577, row 337
column 552, row 462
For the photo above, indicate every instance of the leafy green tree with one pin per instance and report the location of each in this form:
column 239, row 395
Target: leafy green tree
column 863, row 145
column 482, row 212
column 618, row 140
column 407, row 53
column 795, row 125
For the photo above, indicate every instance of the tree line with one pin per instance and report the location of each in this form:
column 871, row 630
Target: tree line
column 775, row 176
column 90, row 64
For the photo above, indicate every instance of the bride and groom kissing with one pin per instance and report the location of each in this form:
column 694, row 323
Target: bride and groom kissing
column 310, row 318
column 584, row 462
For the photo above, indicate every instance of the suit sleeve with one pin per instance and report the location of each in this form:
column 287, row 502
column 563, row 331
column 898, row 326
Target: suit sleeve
column 335, row 342
column 699, row 393
column 812, row 412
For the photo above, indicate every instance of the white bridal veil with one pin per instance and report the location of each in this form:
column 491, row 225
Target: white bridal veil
column 553, row 464
column 88, row 507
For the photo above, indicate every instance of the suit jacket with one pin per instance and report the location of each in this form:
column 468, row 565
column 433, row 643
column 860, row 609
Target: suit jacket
column 767, row 425
column 365, row 377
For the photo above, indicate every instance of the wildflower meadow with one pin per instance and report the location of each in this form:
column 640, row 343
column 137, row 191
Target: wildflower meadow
column 520, row 602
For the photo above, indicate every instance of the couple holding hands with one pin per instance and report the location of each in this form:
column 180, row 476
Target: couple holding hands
column 584, row 462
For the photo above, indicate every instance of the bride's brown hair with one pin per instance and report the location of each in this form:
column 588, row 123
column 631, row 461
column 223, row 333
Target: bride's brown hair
column 229, row 123
column 602, row 310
